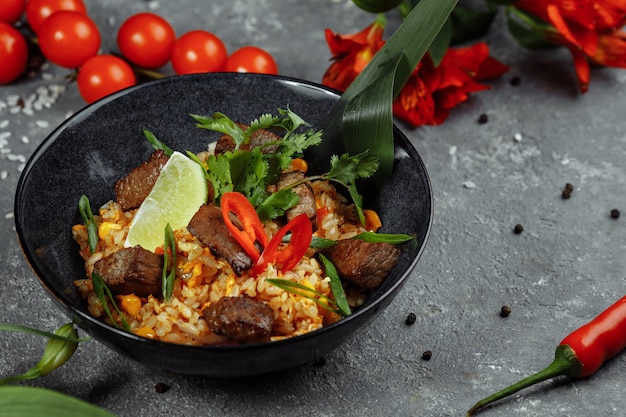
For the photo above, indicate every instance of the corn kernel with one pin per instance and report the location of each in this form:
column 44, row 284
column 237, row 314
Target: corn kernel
column 145, row 332
column 106, row 228
column 130, row 303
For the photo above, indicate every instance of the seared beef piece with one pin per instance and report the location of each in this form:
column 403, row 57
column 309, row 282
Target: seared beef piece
column 226, row 143
column 364, row 264
column 240, row 319
column 207, row 225
column 306, row 203
column 132, row 271
column 135, row 187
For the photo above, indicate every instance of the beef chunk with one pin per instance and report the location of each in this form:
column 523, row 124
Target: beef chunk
column 207, row 225
column 135, row 187
column 240, row 319
column 132, row 271
column 361, row 263
column 306, row 201
column 261, row 137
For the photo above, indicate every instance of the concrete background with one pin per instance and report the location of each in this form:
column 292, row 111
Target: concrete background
column 566, row 266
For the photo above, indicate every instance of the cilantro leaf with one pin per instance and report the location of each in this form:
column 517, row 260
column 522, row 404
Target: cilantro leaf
column 221, row 123
column 347, row 169
column 276, row 204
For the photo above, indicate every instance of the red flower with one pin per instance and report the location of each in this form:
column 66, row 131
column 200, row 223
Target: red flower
column 431, row 92
column 351, row 53
column 586, row 27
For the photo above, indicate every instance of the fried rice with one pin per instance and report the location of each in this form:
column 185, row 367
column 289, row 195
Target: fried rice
column 202, row 279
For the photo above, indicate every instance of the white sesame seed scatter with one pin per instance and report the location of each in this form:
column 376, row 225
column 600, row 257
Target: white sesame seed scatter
column 469, row 184
column 4, row 124
column 4, row 174
column 42, row 124
column 517, row 137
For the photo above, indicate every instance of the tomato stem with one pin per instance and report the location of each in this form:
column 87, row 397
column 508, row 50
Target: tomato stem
column 565, row 363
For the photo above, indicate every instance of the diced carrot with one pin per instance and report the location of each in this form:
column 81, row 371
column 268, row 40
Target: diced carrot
column 299, row 164
column 372, row 221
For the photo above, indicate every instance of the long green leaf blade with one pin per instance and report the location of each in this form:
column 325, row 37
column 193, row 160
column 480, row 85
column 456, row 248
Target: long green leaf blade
column 405, row 48
column 20, row 401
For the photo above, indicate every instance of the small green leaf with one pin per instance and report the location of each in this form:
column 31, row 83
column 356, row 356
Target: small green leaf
column 377, row 6
column 103, row 293
column 169, row 263
column 92, row 229
column 304, row 291
column 156, row 143
column 20, row 401
column 391, row 238
column 335, row 286
column 321, row 243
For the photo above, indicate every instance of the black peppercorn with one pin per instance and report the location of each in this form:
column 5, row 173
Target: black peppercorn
column 505, row 311
column 410, row 319
column 518, row 228
column 319, row 362
column 615, row 214
column 427, row 355
column 483, row 118
column 161, row 388
column 515, row 81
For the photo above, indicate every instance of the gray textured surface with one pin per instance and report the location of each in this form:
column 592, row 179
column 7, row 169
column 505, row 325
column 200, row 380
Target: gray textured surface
column 565, row 267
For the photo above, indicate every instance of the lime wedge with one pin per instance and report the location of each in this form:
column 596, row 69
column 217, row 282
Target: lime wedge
column 176, row 196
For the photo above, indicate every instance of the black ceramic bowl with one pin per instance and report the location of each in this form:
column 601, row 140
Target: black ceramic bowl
column 101, row 143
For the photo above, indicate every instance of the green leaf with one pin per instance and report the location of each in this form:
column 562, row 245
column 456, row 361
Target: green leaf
column 335, row 286
column 103, row 293
column 321, row 243
column 304, row 291
column 92, row 230
column 220, row 123
column 20, row 401
column 391, row 238
column 470, row 24
column 368, row 103
column 156, row 143
column 377, row 6
column 30, row 330
column 442, row 42
column 169, row 263
column 276, row 204
column 527, row 30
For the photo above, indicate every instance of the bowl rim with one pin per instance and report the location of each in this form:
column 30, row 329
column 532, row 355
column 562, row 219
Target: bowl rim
column 79, row 316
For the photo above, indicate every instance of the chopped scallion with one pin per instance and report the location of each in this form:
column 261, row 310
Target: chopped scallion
column 103, row 292
column 92, row 229
column 169, row 263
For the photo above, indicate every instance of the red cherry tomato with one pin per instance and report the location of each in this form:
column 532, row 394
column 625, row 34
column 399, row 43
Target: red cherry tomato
column 39, row 10
column 102, row 75
column 146, row 39
column 198, row 51
column 68, row 38
column 13, row 53
column 11, row 10
column 251, row 59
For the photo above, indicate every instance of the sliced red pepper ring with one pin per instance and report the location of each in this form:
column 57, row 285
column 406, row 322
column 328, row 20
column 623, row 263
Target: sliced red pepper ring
column 251, row 230
column 287, row 257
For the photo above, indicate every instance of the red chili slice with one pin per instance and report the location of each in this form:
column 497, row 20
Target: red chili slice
column 252, row 229
column 287, row 257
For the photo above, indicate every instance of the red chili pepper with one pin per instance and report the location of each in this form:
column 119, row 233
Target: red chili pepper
column 287, row 257
column 252, row 229
column 580, row 354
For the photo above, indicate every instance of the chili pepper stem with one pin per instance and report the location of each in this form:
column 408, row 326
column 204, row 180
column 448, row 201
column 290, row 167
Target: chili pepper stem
column 565, row 363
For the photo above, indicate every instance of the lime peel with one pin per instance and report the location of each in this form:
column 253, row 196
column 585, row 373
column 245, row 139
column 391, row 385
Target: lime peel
column 178, row 193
